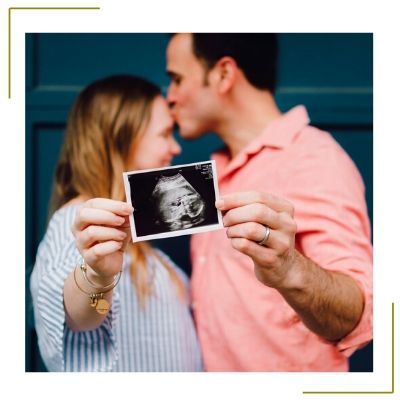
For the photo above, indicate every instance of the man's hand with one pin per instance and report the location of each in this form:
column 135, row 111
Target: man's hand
column 246, row 215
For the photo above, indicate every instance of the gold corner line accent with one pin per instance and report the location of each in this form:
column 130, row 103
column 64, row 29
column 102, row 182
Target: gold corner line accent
column 32, row 8
column 377, row 392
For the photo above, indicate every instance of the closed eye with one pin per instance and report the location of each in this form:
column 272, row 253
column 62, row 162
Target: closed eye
column 175, row 78
column 166, row 133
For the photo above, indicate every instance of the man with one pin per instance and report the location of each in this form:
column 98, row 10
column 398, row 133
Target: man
column 291, row 289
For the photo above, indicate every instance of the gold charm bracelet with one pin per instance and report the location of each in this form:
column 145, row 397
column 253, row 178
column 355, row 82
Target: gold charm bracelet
column 96, row 299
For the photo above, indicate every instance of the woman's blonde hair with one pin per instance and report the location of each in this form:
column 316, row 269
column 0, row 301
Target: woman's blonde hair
column 106, row 121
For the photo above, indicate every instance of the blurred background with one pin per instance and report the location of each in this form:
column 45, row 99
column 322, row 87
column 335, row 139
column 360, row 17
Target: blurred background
column 331, row 74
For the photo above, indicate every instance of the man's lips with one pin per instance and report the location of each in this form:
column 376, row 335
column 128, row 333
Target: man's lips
column 174, row 115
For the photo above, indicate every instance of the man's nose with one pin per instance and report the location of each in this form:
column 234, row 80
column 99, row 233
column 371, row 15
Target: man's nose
column 171, row 96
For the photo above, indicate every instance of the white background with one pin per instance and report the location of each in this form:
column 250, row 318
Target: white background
column 175, row 16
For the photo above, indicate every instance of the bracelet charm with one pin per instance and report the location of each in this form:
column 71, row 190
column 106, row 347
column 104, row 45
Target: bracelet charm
column 102, row 306
column 96, row 300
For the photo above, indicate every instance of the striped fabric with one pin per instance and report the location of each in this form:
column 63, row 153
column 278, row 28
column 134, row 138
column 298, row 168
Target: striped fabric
column 157, row 337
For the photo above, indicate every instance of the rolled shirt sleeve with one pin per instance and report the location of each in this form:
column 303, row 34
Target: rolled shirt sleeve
column 61, row 348
column 333, row 224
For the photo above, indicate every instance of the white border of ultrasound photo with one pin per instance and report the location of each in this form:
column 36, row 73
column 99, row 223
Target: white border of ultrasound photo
column 187, row 231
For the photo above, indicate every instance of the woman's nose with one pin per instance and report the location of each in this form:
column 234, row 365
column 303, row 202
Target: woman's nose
column 176, row 149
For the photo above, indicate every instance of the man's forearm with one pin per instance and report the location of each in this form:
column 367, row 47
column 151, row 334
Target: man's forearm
column 329, row 303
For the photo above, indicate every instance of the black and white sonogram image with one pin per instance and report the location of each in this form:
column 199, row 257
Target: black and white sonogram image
column 179, row 204
column 173, row 201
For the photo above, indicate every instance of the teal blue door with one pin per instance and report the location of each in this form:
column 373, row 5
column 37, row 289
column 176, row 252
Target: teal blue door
column 329, row 73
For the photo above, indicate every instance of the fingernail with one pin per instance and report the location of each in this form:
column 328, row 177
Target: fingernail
column 129, row 208
column 219, row 203
column 119, row 220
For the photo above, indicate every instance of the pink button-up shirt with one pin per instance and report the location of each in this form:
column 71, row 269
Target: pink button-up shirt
column 246, row 326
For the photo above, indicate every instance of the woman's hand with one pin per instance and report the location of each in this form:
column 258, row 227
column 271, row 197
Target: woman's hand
column 102, row 232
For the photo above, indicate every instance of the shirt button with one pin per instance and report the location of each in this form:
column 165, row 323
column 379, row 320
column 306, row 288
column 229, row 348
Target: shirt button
column 202, row 260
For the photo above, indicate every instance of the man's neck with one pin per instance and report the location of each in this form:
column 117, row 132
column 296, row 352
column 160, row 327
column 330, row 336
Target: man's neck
column 246, row 118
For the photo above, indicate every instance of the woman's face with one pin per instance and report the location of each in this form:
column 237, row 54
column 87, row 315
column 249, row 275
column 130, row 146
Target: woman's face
column 157, row 146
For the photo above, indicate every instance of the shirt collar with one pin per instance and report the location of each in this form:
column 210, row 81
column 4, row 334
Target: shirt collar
column 281, row 131
column 278, row 134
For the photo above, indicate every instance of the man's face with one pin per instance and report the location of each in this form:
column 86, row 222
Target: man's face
column 193, row 102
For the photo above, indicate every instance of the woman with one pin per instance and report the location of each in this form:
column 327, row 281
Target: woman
column 102, row 303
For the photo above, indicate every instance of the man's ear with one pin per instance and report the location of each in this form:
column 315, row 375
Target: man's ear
column 226, row 71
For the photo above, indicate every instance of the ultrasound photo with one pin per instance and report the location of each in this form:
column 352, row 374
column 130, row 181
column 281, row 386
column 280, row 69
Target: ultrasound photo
column 173, row 201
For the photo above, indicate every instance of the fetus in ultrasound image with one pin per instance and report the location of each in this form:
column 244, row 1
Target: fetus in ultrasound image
column 179, row 205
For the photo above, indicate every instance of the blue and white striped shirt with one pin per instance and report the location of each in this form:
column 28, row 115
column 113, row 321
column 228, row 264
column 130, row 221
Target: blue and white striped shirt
column 157, row 337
